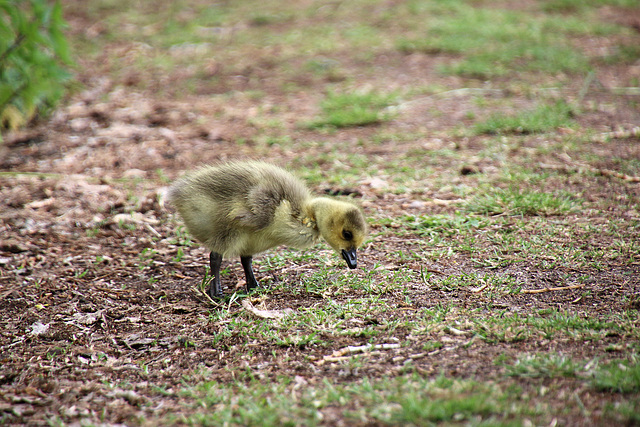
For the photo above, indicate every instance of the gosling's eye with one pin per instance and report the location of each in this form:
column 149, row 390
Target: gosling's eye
column 347, row 235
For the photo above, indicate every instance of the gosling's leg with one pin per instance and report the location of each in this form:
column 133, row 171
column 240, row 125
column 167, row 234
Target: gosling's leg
column 215, row 259
column 248, row 272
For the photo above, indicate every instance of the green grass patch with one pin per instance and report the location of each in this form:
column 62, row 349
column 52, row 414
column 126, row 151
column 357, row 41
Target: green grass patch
column 434, row 226
column 341, row 110
column 407, row 400
column 546, row 366
column 516, row 201
column 495, row 42
column 623, row 54
column 565, row 6
column 618, row 377
column 546, row 117
column 554, row 322
column 625, row 412
column 550, row 324
column 547, row 235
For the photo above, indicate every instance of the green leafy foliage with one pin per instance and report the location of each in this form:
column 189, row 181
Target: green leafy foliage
column 33, row 58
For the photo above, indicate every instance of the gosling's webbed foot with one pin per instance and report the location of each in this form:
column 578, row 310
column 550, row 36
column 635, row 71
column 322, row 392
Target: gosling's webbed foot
column 252, row 283
column 215, row 291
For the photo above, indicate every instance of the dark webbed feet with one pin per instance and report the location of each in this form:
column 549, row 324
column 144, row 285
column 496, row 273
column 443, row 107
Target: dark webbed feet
column 248, row 272
column 215, row 259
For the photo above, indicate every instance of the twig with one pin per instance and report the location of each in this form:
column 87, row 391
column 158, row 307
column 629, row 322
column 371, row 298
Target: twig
column 13, row 344
column 116, row 292
column 363, row 348
column 8, row 292
column 332, row 359
column 618, row 134
column 479, row 289
column 616, row 174
column 346, row 352
column 455, row 331
column 561, row 288
column 206, row 295
column 428, row 270
column 450, row 93
column 585, row 87
column 628, row 91
column 580, row 167
column 153, row 230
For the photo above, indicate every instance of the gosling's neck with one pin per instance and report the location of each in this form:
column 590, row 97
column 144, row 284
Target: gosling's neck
column 319, row 211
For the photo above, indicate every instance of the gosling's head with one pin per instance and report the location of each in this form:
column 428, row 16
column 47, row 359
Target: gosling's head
column 343, row 226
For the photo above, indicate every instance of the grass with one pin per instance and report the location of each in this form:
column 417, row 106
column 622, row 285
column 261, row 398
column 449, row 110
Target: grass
column 411, row 400
column 434, row 226
column 547, row 242
column 544, row 118
column 618, row 377
column 565, row 6
column 487, row 42
column 547, row 366
column 497, row 42
column 403, row 400
column 516, row 201
column 444, row 279
column 341, row 110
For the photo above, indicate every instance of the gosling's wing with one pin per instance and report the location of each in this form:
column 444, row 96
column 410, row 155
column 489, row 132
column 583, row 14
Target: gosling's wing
column 242, row 195
column 257, row 211
column 275, row 187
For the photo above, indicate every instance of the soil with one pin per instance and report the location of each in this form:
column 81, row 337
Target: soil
column 102, row 322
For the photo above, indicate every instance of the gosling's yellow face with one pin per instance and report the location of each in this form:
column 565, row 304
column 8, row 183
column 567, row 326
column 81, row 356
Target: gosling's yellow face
column 347, row 232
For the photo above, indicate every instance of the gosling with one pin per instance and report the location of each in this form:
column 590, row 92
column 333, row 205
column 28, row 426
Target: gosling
column 244, row 208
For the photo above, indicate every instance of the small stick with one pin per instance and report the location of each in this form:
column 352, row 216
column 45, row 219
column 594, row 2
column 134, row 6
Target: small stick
column 432, row 270
column 616, row 174
column 346, row 352
column 572, row 166
column 561, row 288
column 206, row 294
column 428, row 270
column 153, row 230
column 479, row 289
column 364, row 348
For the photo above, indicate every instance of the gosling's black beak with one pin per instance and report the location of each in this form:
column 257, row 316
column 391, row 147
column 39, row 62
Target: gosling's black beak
column 351, row 257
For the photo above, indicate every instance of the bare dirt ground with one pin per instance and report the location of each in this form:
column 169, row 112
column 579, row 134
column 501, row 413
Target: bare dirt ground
column 101, row 322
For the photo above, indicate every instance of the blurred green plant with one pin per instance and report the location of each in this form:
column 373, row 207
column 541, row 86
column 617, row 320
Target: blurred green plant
column 34, row 56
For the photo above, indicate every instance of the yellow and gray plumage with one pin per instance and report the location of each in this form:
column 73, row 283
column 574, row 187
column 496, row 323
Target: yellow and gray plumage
column 243, row 208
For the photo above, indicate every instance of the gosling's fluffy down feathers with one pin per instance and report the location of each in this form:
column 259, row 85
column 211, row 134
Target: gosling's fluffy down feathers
column 239, row 209
column 243, row 208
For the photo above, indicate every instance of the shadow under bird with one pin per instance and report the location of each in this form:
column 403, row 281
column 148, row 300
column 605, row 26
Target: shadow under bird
column 243, row 208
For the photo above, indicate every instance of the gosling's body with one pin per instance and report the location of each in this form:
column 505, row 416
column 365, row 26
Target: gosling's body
column 243, row 208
